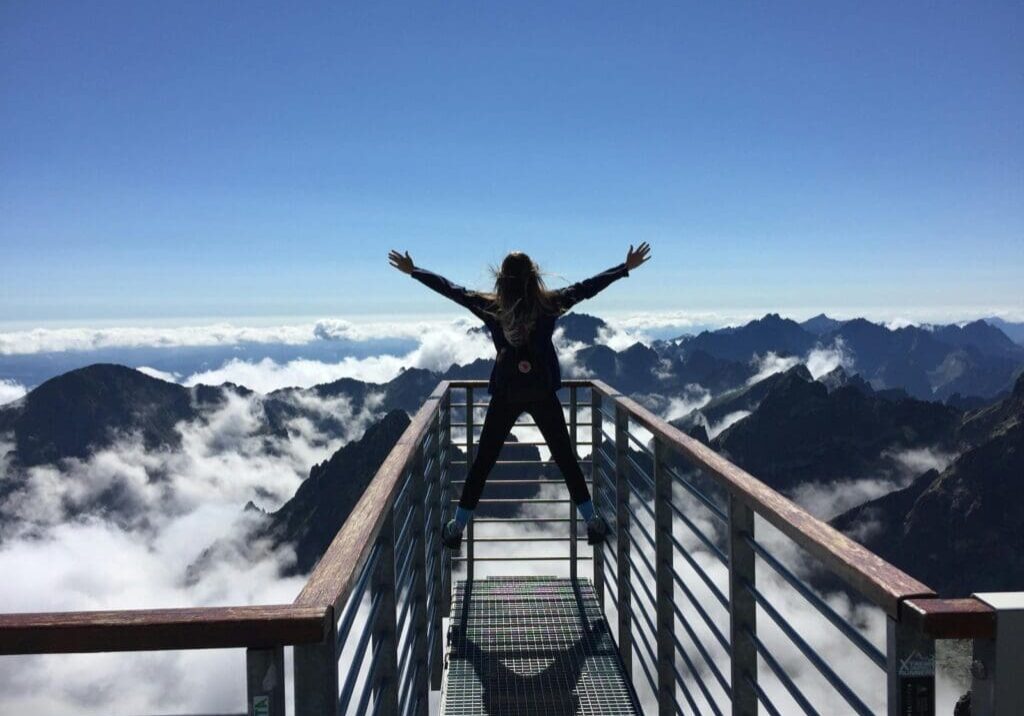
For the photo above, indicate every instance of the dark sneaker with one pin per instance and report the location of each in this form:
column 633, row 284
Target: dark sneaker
column 597, row 530
column 451, row 536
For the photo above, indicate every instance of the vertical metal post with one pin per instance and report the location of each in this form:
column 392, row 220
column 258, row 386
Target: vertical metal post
column 573, row 548
column 384, row 626
column 742, row 609
column 434, row 540
column 911, row 671
column 469, row 462
column 595, row 443
column 316, row 676
column 444, row 507
column 622, row 568
column 663, row 578
column 418, row 592
column 264, row 678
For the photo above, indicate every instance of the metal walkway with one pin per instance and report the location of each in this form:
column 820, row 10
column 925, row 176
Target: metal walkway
column 532, row 645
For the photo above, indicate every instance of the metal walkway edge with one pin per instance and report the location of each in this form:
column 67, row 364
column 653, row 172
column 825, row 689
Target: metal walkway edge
column 532, row 645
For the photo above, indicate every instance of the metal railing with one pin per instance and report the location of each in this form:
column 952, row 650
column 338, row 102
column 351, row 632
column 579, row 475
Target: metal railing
column 689, row 578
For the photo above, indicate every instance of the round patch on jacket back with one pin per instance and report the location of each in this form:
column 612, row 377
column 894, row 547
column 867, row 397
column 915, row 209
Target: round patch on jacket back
column 524, row 366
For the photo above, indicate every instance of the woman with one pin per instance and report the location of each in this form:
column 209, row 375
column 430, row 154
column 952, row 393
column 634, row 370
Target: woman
column 520, row 314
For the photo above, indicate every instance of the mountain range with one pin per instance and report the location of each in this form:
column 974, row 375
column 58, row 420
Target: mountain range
column 875, row 392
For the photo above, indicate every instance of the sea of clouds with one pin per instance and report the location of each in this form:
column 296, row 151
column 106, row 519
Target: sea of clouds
column 57, row 554
column 56, row 559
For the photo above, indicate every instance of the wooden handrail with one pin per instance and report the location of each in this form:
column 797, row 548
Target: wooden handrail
column 869, row 574
column 336, row 573
column 160, row 629
column 966, row 618
column 310, row 617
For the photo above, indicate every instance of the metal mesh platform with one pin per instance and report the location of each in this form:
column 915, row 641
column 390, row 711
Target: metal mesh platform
column 532, row 645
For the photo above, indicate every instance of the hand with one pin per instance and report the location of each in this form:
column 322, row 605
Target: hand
column 635, row 258
column 402, row 263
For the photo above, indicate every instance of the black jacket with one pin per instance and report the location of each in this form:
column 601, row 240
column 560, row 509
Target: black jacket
column 540, row 338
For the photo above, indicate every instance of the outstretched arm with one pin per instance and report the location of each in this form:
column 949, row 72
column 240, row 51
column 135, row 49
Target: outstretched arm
column 588, row 288
column 443, row 286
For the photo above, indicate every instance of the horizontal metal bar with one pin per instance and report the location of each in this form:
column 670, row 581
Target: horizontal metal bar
column 367, row 683
column 780, row 673
column 636, row 441
column 701, row 649
column 400, row 539
column 584, row 464
column 762, row 696
column 540, row 481
column 873, row 577
column 356, row 660
column 639, row 470
column 403, row 491
column 566, row 558
column 514, row 425
column 851, row 633
column 522, row 539
column 708, row 621
column 403, row 614
column 493, row 520
column 639, row 523
column 700, row 535
column 405, row 687
column 519, row 443
column 812, row 656
column 405, row 572
column 640, row 499
column 647, row 592
column 704, row 577
column 520, row 501
column 650, row 651
column 349, row 615
column 681, row 682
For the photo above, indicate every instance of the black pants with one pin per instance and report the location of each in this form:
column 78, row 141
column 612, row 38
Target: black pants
column 501, row 415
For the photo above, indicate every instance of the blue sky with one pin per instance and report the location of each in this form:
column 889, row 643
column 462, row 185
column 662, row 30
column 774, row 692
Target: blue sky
column 226, row 159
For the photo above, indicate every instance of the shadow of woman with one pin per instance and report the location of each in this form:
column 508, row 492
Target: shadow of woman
column 531, row 677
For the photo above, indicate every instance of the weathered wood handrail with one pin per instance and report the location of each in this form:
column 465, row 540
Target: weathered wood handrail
column 162, row 629
column 873, row 577
column 965, row 618
column 334, row 576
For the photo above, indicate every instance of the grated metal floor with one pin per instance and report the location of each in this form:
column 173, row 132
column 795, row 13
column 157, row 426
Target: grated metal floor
column 531, row 645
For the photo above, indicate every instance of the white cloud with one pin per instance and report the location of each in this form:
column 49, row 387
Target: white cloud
column 159, row 374
column 770, row 364
column 182, row 502
column 11, row 391
column 437, row 351
column 919, row 460
column 715, row 429
column 693, row 398
column 621, row 336
column 826, row 501
column 820, row 361
column 42, row 340
column 567, row 351
column 267, row 374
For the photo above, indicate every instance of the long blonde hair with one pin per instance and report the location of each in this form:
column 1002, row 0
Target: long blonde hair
column 519, row 297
